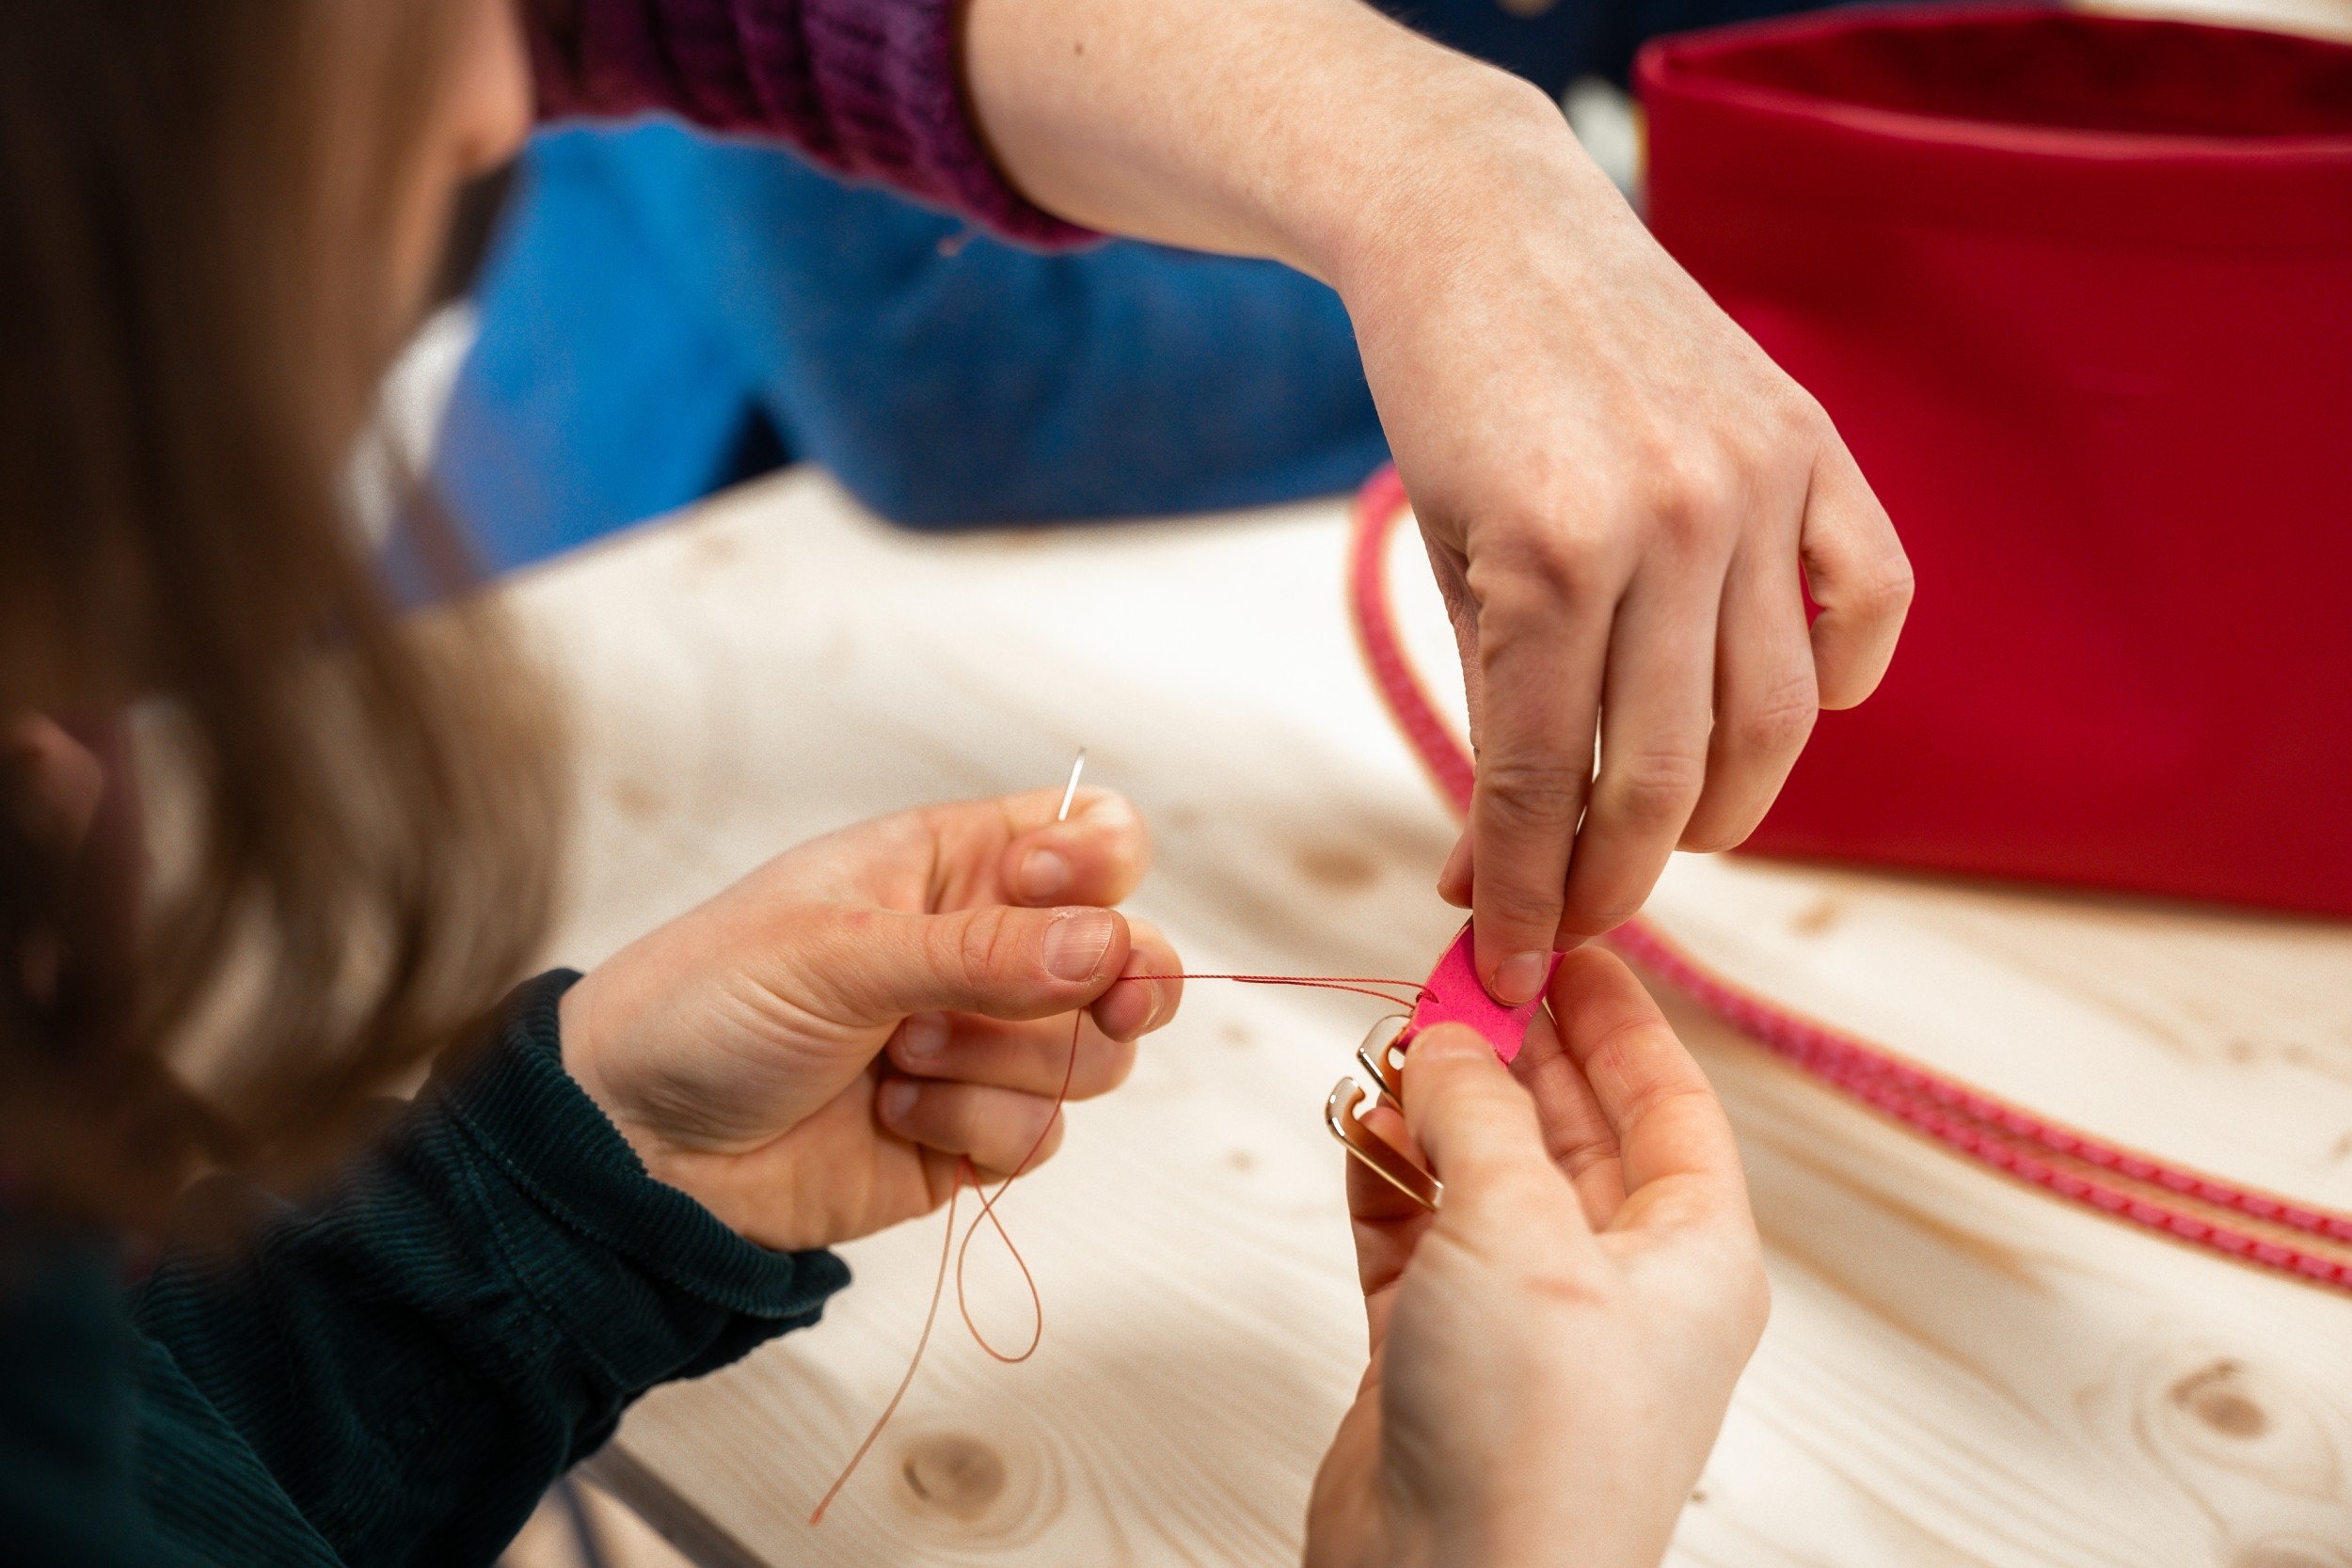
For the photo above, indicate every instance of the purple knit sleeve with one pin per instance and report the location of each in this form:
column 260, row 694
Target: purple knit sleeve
column 866, row 88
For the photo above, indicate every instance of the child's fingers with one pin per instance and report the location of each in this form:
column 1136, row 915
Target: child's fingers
column 1577, row 1134
column 995, row 1129
column 1011, row 850
column 1096, row 856
column 1478, row 1129
column 1667, row 1119
column 993, row 959
column 1134, row 1008
column 1028, row 1058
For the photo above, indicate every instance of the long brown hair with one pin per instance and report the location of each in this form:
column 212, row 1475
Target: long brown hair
column 350, row 810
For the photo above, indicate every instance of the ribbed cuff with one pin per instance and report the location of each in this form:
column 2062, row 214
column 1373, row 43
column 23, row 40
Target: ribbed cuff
column 889, row 78
column 539, row 1128
column 866, row 88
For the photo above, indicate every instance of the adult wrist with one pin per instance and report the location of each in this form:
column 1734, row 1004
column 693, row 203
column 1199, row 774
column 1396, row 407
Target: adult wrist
column 1476, row 150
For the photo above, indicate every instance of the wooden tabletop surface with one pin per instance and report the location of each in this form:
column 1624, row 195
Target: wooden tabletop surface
column 1959, row 1370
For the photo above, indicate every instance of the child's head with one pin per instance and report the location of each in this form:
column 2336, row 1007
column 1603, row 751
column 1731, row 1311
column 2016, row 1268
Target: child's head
column 218, row 219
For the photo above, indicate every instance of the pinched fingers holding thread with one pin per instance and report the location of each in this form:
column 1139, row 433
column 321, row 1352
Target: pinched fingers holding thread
column 1017, row 964
column 1025, row 1057
column 1019, row 850
column 999, row 1131
column 1013, row 849
column 1096, row 856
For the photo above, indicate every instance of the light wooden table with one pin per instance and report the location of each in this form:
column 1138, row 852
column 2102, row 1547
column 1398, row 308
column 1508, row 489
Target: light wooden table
column 1959, row 1370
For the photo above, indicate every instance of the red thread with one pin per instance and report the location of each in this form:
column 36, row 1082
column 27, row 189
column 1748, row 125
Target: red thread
column 2102, row 1177
column 954, row 1191
column 1359, row 985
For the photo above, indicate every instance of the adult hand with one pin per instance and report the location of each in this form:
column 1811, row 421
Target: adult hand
column 1552, row 1350
column 1626, row 502
column 810, row 1054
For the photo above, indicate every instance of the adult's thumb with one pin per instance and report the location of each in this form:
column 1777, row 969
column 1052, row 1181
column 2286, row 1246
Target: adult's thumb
column 996, row 960
column 1476, row 1125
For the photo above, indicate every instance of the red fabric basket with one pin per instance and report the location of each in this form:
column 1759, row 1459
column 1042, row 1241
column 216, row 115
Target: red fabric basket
column 2078, row 293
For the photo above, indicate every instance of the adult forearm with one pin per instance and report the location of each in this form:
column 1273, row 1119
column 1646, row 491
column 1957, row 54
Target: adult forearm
column 1310, row 131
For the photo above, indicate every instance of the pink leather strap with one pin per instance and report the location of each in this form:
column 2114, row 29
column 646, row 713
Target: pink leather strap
column 1453, row 994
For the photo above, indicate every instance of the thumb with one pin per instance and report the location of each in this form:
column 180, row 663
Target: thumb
column 1478, row 1129
column 994, row 960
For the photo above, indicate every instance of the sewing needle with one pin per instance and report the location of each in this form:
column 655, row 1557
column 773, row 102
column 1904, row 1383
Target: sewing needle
column 1072, row 793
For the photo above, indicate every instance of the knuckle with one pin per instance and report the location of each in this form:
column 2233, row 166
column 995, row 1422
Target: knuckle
column 967, row 1122
column 1879, row 586
column 1535, row 563
column 1779, row 724
column 1717, row 832
column 1588, row 918
column 1797, row 417
column 1534, row 795
column 1693, row 501
column 986, row 939
column 1889, row 594
column 1652, row 789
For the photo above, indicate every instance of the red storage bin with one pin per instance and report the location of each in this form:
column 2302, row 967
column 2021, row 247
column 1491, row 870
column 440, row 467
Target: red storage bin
column 2078, row 291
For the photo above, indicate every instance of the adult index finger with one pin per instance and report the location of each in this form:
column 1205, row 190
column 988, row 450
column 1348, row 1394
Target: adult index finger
column 1018, row 850
column 1541, row 656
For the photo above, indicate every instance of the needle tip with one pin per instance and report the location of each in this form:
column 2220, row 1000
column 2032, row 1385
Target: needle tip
column 1070, row 792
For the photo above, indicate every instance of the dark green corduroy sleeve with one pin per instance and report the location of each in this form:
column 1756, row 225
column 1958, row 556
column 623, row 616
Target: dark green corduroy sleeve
column 415, row 1358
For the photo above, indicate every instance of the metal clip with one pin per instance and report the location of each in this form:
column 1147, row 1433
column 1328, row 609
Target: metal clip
column 1380, row 1057
column 1378, row 1154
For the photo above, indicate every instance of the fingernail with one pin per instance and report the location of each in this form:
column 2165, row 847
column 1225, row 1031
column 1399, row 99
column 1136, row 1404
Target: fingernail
column 1045, row 874
column 1447, row 1039
column 1518, row 978
column 895, row 1099
column 1075, row 942
column 926, row 1036
column 1454, row 881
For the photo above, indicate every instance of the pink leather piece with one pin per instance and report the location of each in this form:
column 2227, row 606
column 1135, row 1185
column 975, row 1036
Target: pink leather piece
column 1454, row 995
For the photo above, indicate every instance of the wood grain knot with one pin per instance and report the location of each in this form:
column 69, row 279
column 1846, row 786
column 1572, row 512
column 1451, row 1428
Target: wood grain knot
column 2288, row 1554
column 954, row 1474
column 635, row 802
column 1818, row 917
column 1337, row 867
column 2216, row 1394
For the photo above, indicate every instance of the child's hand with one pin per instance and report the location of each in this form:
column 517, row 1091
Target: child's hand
column 1554, row 1350
column 741, row 1048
